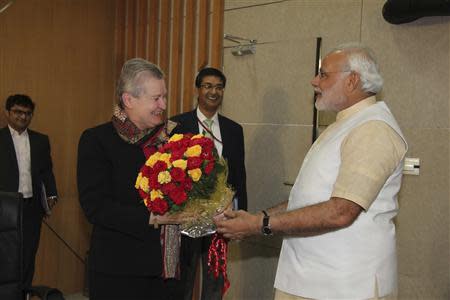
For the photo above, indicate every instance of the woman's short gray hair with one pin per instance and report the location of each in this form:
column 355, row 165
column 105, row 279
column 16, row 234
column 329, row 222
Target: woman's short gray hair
column 130, row 77
column 361, row 60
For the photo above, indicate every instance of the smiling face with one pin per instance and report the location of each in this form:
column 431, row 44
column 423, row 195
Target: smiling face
column 147, row 110
column 210, row 95
column 19, row 117
column 329, row 84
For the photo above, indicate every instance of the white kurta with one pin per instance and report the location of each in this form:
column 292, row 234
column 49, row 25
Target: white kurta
column 343, row 264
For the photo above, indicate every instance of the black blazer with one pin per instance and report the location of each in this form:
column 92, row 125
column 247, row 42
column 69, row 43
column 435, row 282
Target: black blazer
column 122, row 242
column 233, row 149
column 41, row 164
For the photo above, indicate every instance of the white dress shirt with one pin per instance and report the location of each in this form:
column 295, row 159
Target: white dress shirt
column 215, row 129
column 22, row 148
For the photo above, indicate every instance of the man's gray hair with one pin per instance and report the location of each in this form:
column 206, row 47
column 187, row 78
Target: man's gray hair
column 130, row 77
column 361, row 60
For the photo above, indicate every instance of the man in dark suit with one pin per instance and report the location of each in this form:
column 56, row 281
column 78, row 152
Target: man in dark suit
column 26, row 167
column 229, row 141
column 126, row 258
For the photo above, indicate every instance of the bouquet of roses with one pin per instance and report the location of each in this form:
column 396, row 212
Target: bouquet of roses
column 186, row 176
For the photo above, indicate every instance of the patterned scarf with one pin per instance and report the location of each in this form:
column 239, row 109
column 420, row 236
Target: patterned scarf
column 150, row 140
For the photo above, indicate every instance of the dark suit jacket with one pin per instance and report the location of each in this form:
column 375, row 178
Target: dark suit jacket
column 41, row 164
column 233, row 149
column 122, row 242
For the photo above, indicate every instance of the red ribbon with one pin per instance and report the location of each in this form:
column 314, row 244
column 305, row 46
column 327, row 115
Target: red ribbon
column 217, row 259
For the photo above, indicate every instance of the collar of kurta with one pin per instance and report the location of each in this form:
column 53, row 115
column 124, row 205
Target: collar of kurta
column 344, row 114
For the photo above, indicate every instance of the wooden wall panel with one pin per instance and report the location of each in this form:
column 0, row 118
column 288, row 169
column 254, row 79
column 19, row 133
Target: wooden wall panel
column 203, row 34
column 152, row 37
column 67, row 56
column 217, row 16
column 176, row 48
column 61, row 54
column 142, row 21
column 164, row 40
column 131, row 28
column 189, row 54
column 182, row 37
column 119, row 47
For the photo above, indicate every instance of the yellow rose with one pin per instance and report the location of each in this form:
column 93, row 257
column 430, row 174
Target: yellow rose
column 138, row 180
column 143, row 184
column 164, row 177
column 155, row 194
column 146, row 201
column 151, row 161
column 175, row 138
column 195, row 174
column 180, row 163
column 197, row 136
column 193, row 151
column 165, row 157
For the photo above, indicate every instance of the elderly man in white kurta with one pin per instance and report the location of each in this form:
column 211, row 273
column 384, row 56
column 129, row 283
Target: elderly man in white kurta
column 339, row 235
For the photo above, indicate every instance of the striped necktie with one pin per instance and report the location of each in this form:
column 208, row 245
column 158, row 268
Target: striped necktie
column 208, row 123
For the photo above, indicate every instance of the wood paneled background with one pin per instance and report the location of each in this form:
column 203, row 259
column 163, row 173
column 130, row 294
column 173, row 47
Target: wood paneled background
column 61, row 54
column 181, row 36
column 66, row 55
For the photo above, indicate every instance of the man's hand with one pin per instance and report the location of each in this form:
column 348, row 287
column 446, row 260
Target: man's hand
column 237, row 225
column 51, row 201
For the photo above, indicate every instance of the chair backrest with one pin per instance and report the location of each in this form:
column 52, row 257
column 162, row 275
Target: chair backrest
column 46, row 293
column 10, row 245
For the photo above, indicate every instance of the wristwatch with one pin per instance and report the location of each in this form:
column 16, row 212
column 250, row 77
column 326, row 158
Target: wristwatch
column 265, row 228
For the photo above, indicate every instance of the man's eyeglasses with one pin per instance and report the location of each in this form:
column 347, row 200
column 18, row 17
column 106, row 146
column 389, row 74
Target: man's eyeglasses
column 209, row 87
column 324, row 74
column 20, row 113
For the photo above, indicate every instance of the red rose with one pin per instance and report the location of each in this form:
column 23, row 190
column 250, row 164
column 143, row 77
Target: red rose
column 177, row 174
column 208, row 146
column 194, row 142
column 207, row 155
column 159, row 206
column 178, row 196
column 146, row 171
column 168, row 188
column 185, row 142
column 159, row 166
column 153, row 181
column 177, row 154
column 187, row 184
column 169, row 147
column 203, row 141
column 143, row 194
column 178, row 146
column 209, row 167
column 194, row 162
column 166, row 147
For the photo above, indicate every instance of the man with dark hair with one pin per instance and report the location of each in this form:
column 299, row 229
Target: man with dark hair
column 229, row 141
column 26, row 167
column 210, row 72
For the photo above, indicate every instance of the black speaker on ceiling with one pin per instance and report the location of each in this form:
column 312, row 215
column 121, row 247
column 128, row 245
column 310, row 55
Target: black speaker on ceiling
column 404, row 11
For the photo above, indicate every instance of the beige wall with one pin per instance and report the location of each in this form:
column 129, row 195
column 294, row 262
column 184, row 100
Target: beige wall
column 270, row 95
column 61, row 54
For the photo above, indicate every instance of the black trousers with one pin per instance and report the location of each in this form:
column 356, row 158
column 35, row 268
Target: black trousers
column 127, row 287
column 192, row 251
column 32, row 215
